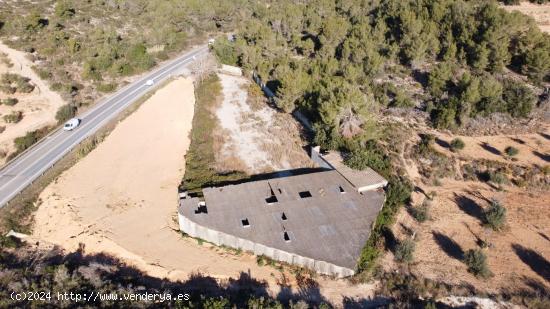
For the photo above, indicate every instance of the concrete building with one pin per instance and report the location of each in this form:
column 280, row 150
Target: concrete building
column 317, row 220
column 364, row 180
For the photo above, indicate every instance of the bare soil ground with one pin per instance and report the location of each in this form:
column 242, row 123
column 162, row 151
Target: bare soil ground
column 540, row 12
column 121, row 199
column 519, row 255
column 255, row 138
column 533, row 148
column 38, row 107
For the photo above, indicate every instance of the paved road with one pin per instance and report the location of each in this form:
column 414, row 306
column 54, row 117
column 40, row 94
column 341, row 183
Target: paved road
column 23, row 170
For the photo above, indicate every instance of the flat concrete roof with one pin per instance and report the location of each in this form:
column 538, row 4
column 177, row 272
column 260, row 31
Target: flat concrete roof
column 325, row 218
column 366, row 179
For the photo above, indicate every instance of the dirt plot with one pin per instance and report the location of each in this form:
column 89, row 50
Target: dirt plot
column 518, row 256
column 38, row 107
column 540, row 12
column 255, row 138
column 533, row 148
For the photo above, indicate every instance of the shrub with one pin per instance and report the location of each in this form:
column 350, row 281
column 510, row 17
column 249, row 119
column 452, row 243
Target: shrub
column 108, row 87
column 457, row 144
column 476, row 261
column 14, row 117
column 362, row 159
column 404, row 251
column 65, row 113
column 260, row 260
column 26, row 141
column 497, row 177
column 511, row 151
column 7, row 89
column 519, row 99
column 495, row 215
column 10, row 101
column 421, row 213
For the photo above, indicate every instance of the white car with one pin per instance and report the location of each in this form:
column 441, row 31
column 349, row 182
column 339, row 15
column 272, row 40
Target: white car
column 71, row 124
column 150, row 82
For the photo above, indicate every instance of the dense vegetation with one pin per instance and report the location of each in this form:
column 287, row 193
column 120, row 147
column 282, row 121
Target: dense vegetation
column 200, row 160
column 31, row 271
column 87, row 47
column 332, row 60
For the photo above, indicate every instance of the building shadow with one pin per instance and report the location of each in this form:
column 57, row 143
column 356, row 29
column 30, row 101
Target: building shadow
column 448, row 245
column 534, row 260
column 470, row 207
column 543, row 156
column 443, row 143
column 490, row 149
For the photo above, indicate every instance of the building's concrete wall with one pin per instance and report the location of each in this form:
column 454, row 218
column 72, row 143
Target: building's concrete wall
column 231, row 70
column 194, row 230
column 317, row 158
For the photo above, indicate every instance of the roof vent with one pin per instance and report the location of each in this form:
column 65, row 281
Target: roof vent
column 201, row 209
column 245, row 222
column 286, row 237
column 304, row 194
column 283, row 216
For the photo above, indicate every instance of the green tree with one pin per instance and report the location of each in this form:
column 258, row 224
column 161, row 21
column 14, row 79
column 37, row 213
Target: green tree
column 439, row 77
column 34, row 22
column 64, row 9
column 518, row 98
column 65, row 113
column 225, row 51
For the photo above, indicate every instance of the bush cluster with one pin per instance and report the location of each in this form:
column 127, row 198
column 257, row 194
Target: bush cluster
column 13, row 117
column 476, row 260
column 495, row 215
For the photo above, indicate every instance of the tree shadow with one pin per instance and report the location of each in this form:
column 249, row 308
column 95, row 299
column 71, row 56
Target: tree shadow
column 470, row 207
column 448, row 245
column 101, row 271
column 361, row 303
column 544, row 236
column 546, row 136
column 490, row 149
column 307, row 290
column 534, row 260
column 518, row 140
column 543, row 156
column 421, row 77
column 443, row 143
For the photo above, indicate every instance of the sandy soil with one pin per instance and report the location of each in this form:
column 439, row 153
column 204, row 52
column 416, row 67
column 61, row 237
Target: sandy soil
column 255, row 139
column 533, row 148
column 38, row 107
column 540, row 12
column 121, row 199
column 518, row 254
